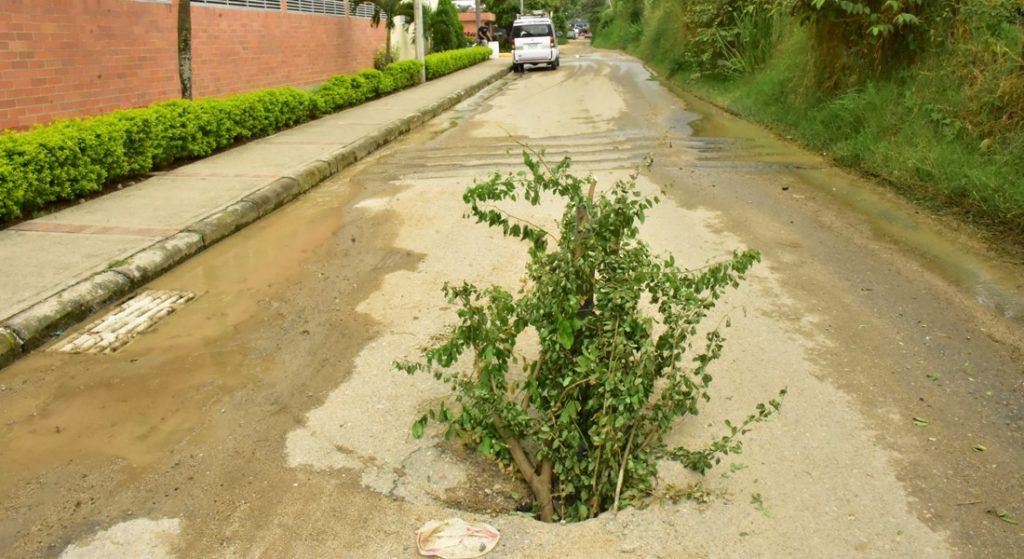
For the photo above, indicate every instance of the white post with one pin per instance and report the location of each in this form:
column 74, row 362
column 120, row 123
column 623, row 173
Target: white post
column 418, row 18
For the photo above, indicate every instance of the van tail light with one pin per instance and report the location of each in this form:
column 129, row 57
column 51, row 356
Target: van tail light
column 552, row 42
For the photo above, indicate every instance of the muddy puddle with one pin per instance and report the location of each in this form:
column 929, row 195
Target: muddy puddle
column 730, row 142
column 136, row 405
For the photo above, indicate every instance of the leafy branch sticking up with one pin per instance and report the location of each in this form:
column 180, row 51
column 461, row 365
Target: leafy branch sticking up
column 584, row 419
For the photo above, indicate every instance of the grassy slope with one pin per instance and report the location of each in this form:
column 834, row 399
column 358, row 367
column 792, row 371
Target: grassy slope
column 940, row 131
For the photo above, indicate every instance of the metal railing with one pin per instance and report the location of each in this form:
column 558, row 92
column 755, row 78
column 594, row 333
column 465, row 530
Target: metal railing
column 322, row 7
column 364, row 9
column 255, row 4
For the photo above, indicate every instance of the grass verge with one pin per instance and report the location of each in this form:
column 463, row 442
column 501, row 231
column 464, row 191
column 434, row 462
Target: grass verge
column 947, row 132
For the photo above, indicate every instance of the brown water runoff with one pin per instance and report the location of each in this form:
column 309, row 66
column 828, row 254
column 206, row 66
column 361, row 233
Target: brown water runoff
column 994, row 281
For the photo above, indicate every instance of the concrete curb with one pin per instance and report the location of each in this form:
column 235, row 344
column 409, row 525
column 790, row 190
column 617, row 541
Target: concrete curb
column 38, row 323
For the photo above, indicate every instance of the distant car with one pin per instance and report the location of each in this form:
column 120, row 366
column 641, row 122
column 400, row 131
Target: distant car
column 572, row 33
column 533, row 42
column 584, row 34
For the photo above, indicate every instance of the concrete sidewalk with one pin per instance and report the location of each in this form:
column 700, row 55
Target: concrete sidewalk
column 60, row 268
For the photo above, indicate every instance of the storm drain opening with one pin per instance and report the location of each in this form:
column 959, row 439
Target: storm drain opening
column 125, row 322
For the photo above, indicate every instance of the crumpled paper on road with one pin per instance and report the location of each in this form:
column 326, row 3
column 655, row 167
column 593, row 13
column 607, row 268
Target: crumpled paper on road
column 455, row 538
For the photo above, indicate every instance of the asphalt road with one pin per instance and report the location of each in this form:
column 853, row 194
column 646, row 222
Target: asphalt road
column 263, row 419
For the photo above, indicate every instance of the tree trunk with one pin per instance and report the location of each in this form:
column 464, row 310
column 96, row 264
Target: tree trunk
column 540, row 483
column 185, row 47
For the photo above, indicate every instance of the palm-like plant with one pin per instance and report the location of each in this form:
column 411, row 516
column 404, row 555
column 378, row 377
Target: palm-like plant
column 407, row 10
column 386, row 10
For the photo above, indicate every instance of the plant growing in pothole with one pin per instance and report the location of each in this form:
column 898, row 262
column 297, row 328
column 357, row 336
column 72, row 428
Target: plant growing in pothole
column 620, row 358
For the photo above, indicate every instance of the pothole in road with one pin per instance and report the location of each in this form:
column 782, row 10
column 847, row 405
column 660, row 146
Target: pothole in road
column 457, row 477
column 118, row 327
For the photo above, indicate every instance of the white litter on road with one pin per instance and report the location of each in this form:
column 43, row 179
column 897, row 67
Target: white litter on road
column 127, row 321
column 456, row 539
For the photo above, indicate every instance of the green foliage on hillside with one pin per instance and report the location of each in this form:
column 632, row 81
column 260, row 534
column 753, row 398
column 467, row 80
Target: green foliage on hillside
column 929, row 95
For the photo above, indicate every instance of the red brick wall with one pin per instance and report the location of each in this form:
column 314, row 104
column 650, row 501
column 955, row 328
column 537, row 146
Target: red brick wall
column 67, row 58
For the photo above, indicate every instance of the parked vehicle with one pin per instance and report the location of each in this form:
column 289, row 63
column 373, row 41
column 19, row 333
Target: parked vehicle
column 533, row 42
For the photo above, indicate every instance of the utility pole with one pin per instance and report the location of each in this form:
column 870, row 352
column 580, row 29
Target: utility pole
column 478, row 23
column 418, row 19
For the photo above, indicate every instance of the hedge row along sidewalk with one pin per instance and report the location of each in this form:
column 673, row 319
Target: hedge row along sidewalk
column 63, row 266
column 74, row 158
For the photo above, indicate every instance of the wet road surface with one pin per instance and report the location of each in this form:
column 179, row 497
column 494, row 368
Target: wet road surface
column 263, row 418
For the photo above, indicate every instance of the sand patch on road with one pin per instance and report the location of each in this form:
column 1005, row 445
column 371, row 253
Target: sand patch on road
column 141, row 537
column 811, row 482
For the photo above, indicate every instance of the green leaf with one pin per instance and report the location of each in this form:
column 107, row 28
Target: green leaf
column 1002, row 515
column 569, row 412
column 417, row 427
column 920, row 422
column 565, row 334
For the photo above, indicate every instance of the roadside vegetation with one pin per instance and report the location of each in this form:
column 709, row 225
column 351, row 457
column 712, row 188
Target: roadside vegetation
column 619, row 356
column 74, row 158
column 927, row 95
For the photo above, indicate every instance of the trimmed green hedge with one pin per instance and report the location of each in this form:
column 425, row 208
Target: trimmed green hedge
column 73, row 158
column 443, row 63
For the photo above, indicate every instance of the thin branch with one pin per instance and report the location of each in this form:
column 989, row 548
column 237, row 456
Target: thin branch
column 566, row 390
column 622, row 471
column 532, row 150
column 519, row 219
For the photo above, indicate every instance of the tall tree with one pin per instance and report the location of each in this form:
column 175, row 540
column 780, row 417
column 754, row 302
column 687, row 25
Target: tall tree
column 185, row 47
column 445, row 29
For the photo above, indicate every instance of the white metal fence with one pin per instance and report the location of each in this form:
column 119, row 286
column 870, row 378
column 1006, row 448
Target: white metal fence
column 320, row 7
column 323, row 7
column 364, row 9
column 257, row 4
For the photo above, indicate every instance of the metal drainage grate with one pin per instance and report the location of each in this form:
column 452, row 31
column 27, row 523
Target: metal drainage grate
column 132, row 318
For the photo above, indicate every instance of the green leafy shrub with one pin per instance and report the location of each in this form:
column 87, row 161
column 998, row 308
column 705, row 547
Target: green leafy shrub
column 382, row 56
column 732, row 37
column 584, row 418
column 140, row 146
column 403, row 74
column 336, row 94
column 858, row 39
column 443, row 63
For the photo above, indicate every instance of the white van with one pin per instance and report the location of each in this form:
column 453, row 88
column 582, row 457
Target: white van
column 533, row 42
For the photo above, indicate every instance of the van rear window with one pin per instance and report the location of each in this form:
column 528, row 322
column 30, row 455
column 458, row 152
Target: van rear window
column 535, row 30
